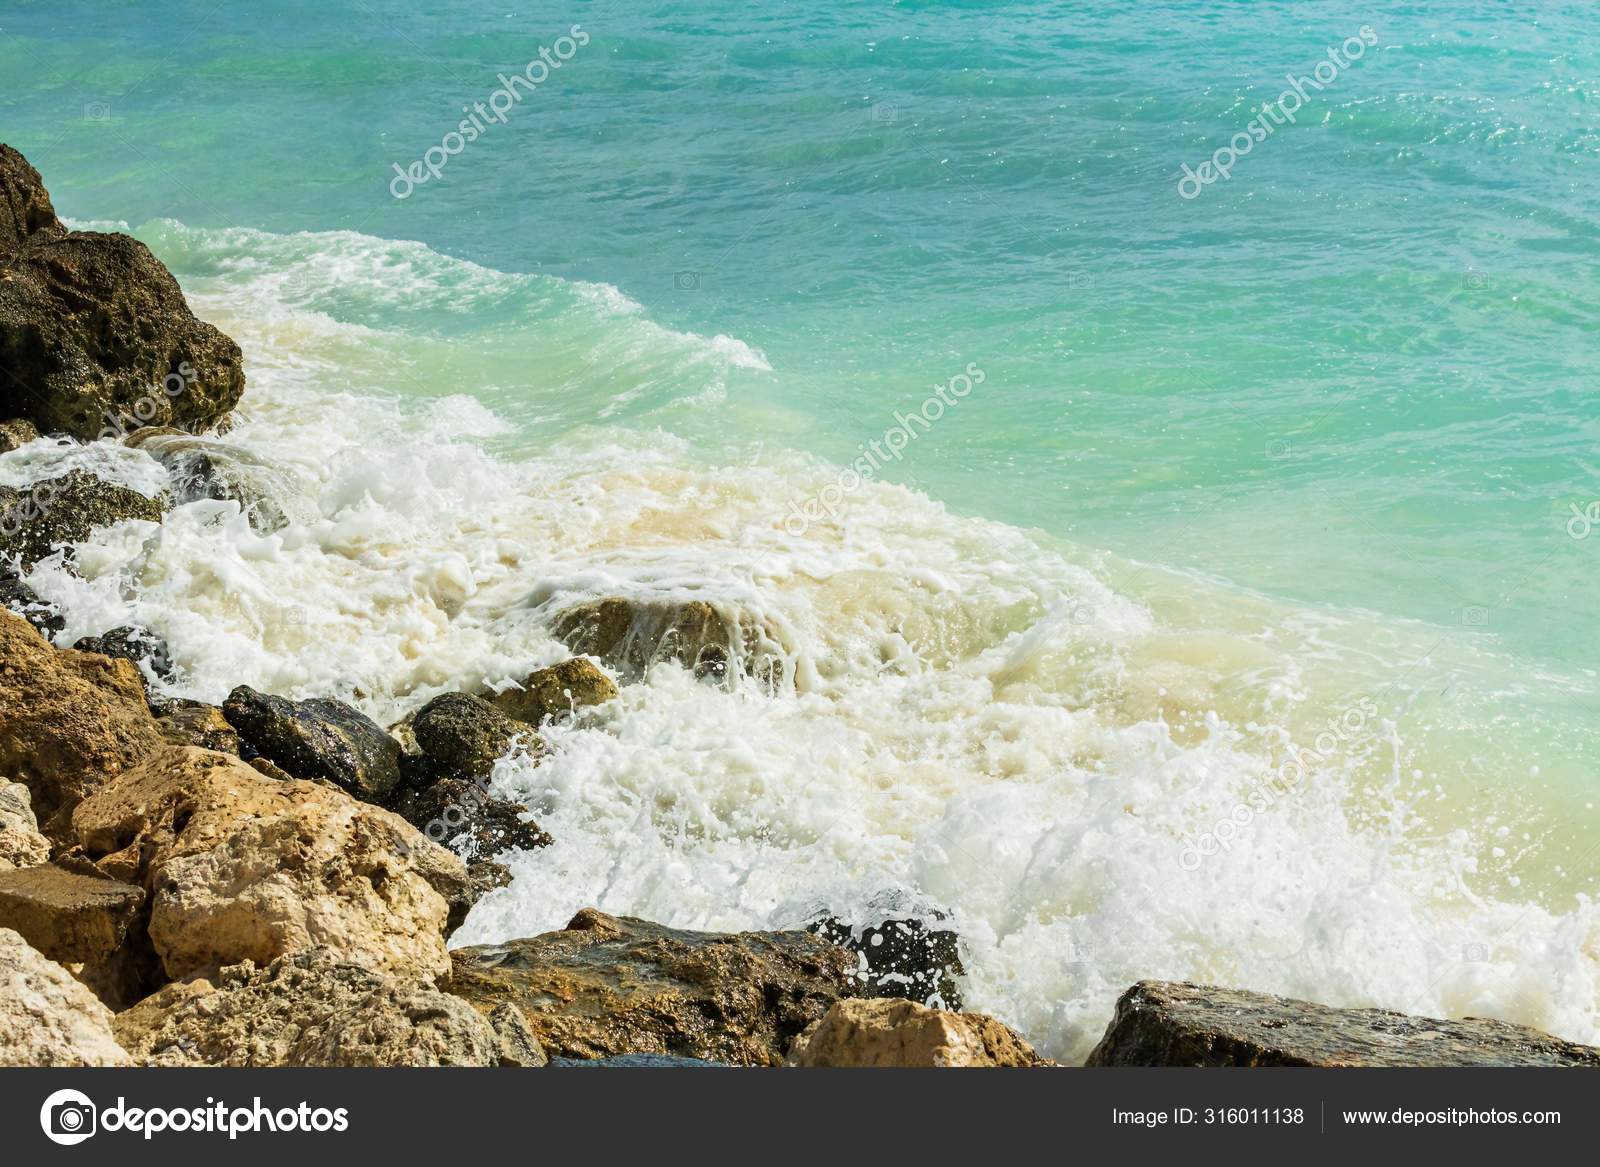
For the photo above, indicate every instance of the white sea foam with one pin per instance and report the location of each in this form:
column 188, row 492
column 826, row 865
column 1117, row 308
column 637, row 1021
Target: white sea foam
column 970, row 712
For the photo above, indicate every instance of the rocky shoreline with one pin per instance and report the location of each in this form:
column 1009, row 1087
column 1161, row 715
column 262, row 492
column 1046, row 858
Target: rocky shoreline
column 273, row 883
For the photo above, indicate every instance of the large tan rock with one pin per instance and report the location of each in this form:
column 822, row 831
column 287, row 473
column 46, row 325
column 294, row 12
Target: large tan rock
column 68, row 916
column 313, row 1009
column 1160, row 1023
column 70, row 722
column 21, row 844
column 894, row 1032
column 241, row 866
column 46, row 1017
column 607, row 986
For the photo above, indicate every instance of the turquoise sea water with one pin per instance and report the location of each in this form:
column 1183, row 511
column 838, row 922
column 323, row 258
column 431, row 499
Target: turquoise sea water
column 1342, row 406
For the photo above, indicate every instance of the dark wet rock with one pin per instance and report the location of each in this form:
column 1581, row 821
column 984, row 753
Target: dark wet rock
column 95, row 332
column 900, row 957
column 637, row 1062
column 202, row 468
column 70, row 722
column 71, row 917
column 63, row 511
column 632, row 635
column 461, row 814
column 1161, row 1023
column 25, row 210
column 18, row 597
column 15, row 434
column 319, row 738
column 555, row 692
column 313, row 1008
column 133, row 644
column 609, row 986
column 194, row 723
column 466, row 734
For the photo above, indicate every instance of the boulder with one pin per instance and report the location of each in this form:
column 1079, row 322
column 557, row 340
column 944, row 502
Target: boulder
column 608, row 986
column 632, row 635
column 555, row 691
column 46, row 1017
column 194, row 723
column 70, row 917
column 889, row 1031
column 240, row 866
column 70, row 722
column 467, row 735
column 15, row 434
column 95, row 332
column 21, row 844
column 1165, row 1024
column 25, row 210
column 133, row 644
column 203, row 468
column 59, row 512
column 317, row 739
column 311, row 1008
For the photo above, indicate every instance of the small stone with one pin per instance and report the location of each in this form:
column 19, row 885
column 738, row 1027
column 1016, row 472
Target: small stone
column 16, row 433
column 556, row 692
column 133, row 644
column 467, row 734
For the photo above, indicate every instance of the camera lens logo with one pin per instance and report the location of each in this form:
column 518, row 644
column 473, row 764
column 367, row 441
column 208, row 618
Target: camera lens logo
column 68, row 1117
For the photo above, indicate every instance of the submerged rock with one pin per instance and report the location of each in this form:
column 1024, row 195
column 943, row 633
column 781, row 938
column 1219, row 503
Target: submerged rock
column 555, row 692
column 467, row 735
column 16, row 433
column 70, row 917
column 608, row 986
column 59, row 512
column 16, row 596
column 240, row 866
column 320, row 738
column 203, row 468
column 134, row 644
column 46, row 1017
column 460, row 814
column 313, row 1009
column 21, row 844
column 94, row 331
column 898, row 1033
column 1161, row 1023
column 632, row 635
column 900, row 955
column 70, row 722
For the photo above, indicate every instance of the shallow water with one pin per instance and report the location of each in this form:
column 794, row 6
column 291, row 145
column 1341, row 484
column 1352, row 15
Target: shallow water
column 1252, row 537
